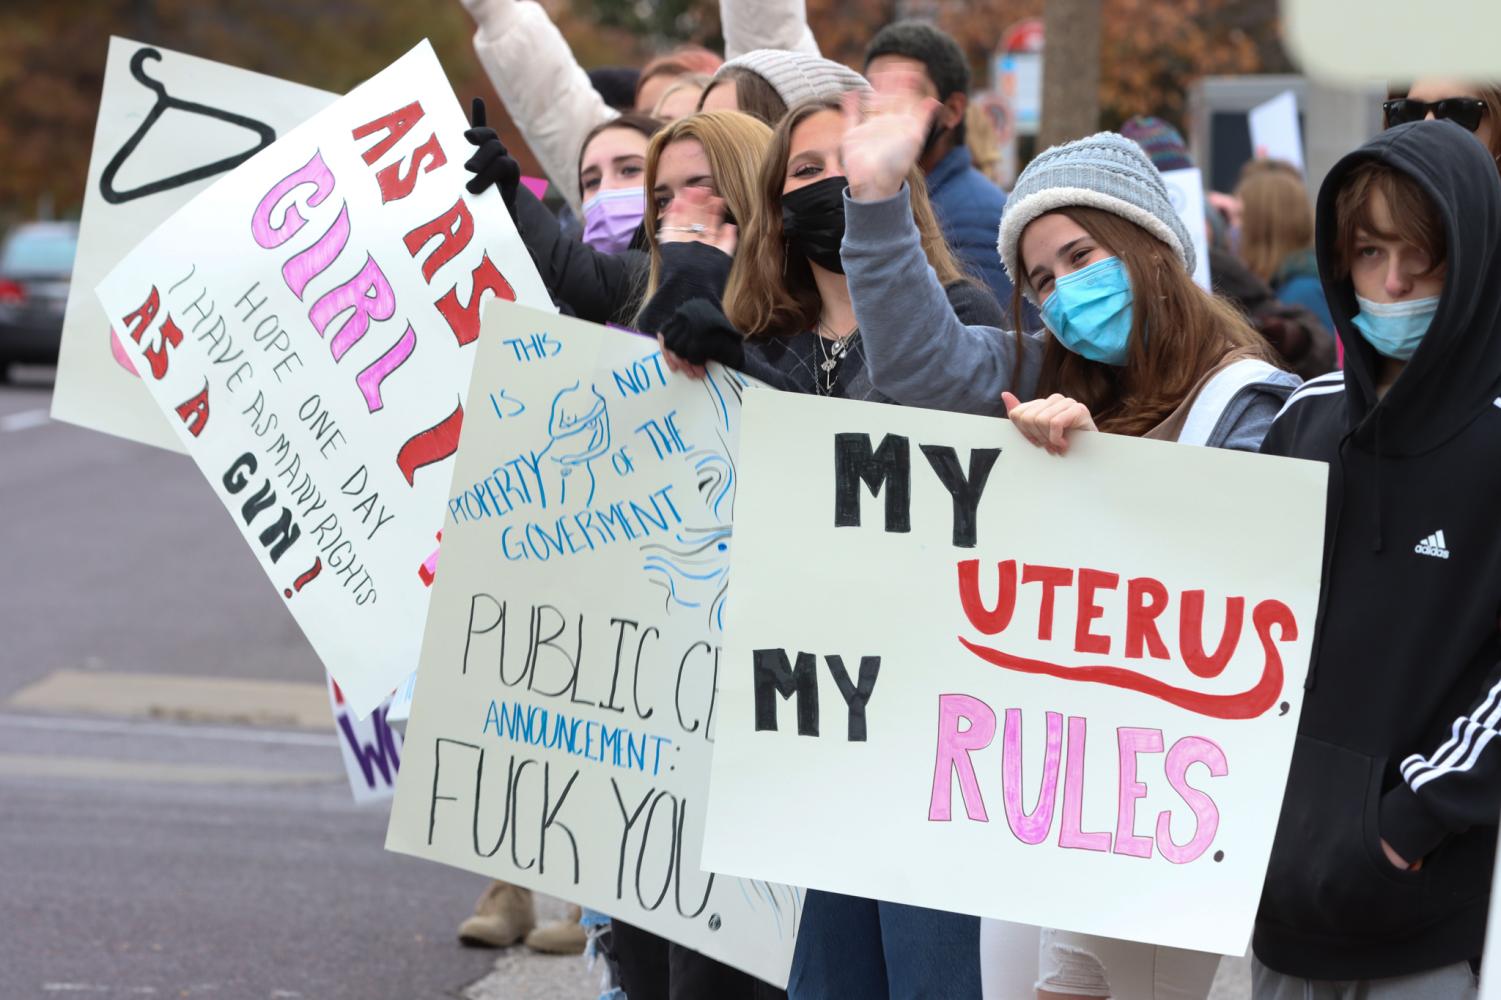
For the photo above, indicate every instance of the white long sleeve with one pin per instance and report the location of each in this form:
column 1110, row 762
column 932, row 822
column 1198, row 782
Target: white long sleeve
column 547, row 93
column 766, row 24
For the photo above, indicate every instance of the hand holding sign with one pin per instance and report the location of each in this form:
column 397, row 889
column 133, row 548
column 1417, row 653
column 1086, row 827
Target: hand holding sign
column 1046, row 423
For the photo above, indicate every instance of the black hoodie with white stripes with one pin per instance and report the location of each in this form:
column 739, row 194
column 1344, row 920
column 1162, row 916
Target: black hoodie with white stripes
column 1398, row 734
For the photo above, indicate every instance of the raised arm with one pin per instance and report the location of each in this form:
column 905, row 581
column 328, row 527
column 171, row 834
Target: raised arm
column 766, row 24
column 917, row 350
column 546, row 91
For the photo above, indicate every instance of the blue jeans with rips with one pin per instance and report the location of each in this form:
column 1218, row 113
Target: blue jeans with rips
column 852, row 947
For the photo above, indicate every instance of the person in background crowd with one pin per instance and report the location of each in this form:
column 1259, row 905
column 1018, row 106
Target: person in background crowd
column 1474, row 107
column 1301, row 340
column 1380, row 873
column 984, row 143
column 553, row 103
column 969, row 205
column 617, row 86
column 662, row 72
column 766, row 82
column 681, row 98
column 1276, row 238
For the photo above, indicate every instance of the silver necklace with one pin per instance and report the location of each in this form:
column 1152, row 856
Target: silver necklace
column 831, row 356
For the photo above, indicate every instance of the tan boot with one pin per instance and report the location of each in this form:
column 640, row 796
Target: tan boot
column 560, row 937
column 502, row 917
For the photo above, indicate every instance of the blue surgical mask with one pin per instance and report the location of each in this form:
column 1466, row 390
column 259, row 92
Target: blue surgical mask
column 1090, row 311
column 1395, row 329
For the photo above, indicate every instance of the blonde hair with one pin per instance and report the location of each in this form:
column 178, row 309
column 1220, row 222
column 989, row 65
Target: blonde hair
column 733, row 143
column 772, row 292
column 688, row 81
column 1276, row 219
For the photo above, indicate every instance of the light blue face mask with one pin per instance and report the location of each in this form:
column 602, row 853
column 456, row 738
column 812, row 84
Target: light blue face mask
column 1395, row 329
column 1090, row 311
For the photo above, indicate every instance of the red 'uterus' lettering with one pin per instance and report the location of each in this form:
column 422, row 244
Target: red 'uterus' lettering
column 1147, row 600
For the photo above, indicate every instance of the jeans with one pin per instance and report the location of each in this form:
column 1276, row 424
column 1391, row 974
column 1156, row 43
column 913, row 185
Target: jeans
column 653, row 968
column 852, row 947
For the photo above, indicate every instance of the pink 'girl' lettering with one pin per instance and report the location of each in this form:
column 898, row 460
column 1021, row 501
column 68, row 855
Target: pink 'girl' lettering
column 954, row 747
column 314, row 172
column 1132, row 742
column 1185, row 753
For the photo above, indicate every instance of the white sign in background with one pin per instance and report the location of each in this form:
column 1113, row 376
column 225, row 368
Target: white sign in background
column 1185, row 188
column 565, row 707
column 1094, row 681
column 307, row 325
column 1275, row 133
column 169, row 126
column 370, row 747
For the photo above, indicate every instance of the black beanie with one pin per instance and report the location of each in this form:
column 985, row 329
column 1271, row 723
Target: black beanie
column 929, row 45
column 617, row 85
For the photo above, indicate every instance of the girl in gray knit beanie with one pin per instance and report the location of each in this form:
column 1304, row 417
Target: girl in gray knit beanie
column 766, row 82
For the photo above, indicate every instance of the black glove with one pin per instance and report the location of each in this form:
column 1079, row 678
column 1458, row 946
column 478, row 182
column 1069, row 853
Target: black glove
column 698, row 332
column 491, row 163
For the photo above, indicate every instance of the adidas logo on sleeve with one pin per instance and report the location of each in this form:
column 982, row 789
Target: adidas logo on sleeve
column 1433, row 545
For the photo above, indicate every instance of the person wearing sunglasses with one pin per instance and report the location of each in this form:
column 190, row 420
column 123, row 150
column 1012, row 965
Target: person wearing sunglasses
column 1475, row 107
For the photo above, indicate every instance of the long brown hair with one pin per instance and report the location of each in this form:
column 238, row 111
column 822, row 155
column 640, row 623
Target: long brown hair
column 771, row 291
column 754, row 94
column 1276, row 220
column 733, row 143
column 1179, row 333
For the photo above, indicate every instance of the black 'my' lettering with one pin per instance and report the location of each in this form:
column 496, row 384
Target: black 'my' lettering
column 888, row 467
column 964, row 489
column 773, row 675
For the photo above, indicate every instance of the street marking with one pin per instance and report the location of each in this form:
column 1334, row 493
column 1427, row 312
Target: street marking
column 27, row 765
column 54, row 723
column 24, row 420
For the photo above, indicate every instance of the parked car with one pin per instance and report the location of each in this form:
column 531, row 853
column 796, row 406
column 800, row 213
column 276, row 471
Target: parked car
column 36, row 262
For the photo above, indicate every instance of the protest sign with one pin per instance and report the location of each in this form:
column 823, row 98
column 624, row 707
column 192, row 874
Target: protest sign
column 169, row 125
column 934, row 621
column 561, row 731
column 306, row 325
column 1185, row 189
column 1275, row 132
column 370, row 747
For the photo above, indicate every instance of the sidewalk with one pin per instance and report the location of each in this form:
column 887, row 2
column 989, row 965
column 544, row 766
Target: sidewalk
column 522, row 974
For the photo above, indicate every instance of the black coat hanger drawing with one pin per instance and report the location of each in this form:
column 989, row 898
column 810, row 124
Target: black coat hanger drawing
column 165, row 103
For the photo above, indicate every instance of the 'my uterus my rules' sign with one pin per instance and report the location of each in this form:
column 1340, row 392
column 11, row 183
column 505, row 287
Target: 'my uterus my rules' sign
column 966, row 674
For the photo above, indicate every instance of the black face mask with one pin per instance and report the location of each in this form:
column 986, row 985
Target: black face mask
column 813, row 220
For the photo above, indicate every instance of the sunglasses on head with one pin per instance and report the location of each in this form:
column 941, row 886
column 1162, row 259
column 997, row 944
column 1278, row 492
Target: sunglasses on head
column 1465, row 112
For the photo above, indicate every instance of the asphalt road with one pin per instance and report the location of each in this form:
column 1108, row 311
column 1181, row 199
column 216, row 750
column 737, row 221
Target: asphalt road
column 143, row 858
column 118, row 556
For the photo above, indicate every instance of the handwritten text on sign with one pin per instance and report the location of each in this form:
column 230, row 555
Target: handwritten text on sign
column 306, row 324
column 1047, row 672
column 566, row 703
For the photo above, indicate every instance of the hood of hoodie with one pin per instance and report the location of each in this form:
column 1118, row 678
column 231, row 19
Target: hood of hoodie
column 1457, row 368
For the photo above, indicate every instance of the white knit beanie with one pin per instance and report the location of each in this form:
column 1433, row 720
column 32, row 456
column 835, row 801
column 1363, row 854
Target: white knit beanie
column 797, row 76
column 1105, row 171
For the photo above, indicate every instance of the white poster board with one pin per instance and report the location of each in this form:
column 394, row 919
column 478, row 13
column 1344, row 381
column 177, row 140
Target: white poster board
column 1385, row 42
column 1275, row 133
column 169, row 126
column 978, row 696
column 370, row 747
column 1185, row 189
column 306, row 325
column 562, row 727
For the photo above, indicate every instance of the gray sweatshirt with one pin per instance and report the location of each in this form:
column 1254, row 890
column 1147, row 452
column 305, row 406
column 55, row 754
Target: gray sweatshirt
column 919, row 353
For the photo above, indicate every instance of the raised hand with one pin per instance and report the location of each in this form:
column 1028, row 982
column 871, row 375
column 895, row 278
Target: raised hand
column 884, row 133
column 696, row 215
column 1047, row 422
column 491, row 163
